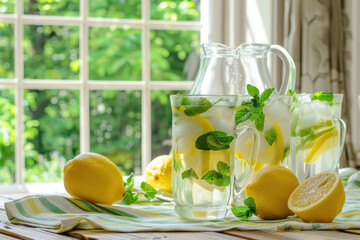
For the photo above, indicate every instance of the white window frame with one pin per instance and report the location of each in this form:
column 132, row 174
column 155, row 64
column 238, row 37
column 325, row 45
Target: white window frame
column 84, row 85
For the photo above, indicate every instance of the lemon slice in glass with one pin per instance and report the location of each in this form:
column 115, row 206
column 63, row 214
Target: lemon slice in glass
column 321, row 145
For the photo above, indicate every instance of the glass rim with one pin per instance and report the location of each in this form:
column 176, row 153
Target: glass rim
column 309, row 94
column 202, row 95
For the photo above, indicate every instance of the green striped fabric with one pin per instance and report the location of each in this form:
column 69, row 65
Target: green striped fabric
column 64, row 214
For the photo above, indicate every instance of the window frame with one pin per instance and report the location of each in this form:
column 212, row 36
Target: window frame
column 84, row 84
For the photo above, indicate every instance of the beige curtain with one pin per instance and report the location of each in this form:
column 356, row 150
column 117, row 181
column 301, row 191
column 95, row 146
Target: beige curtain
column 313, row 33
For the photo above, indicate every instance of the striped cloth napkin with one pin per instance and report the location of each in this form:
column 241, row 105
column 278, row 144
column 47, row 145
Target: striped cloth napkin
column 63, row 214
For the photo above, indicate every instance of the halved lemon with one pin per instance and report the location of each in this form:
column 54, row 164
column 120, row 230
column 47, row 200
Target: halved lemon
column 319, row 198
column 321, row 145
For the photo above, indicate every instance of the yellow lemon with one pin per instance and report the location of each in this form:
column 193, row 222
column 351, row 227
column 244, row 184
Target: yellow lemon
column 271, row 187
column 158, row 173
column 93, row 178
column 319, row 198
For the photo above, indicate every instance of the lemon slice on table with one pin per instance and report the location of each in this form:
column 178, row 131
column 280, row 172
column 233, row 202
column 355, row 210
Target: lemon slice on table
column 319, row 198
column 321, row 145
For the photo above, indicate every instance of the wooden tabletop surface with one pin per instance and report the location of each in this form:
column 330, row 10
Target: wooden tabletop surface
column 14, row 231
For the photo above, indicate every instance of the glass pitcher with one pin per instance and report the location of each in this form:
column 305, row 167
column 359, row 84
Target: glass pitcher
column 225, row 70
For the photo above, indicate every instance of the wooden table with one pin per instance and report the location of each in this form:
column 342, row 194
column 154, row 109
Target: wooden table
column 13, row 231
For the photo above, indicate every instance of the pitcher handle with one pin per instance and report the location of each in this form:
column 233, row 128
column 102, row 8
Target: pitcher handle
column 239, row 183
column 342, row 141
column 289, row 72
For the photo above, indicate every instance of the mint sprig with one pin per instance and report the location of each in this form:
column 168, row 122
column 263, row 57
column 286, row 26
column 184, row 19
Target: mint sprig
column 245, row 212
column 214, row 140
column 253, row 110
column 219, row 178
column 131, row 196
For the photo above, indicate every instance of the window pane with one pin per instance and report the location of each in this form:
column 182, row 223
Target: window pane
column 7, row 136
column 175, row 10
column 161, row 116
column 115, row 53
column 174, row 55
column 6, row 6
column 51, row 133
column 115, row 8
column 51, row 7
column 6, row 50
column 51, row 52
column 115, row 125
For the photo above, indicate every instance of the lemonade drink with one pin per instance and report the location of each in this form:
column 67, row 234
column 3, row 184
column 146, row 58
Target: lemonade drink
column 317, row 134
column 202, row 145
column 274, row 134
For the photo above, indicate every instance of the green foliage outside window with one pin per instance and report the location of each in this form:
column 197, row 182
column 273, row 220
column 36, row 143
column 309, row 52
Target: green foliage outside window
column 52, row 116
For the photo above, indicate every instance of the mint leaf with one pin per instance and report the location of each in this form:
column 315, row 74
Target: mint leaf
column 242, row 115
column 149, row 191
column 252, row 90
column 290, row 92
column 223, row 181
column 190, row 173
column 223, row 168
column 270, row 136
column 260, row 121
column 130, row 197
column 200, row 106
column 245, row 212
column 130, row 181
column 216, row 178
column 293, row 93
column 242, row 212
column 266, row 94
column 323, row 96
column 254, row 115
column 185, row 101
column 250, row 203
column 214, row 140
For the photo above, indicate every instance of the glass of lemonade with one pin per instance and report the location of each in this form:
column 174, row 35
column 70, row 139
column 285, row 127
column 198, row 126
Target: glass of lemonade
column 203, row 130
column 317, row 133
column 273, row 129
column 274, row 133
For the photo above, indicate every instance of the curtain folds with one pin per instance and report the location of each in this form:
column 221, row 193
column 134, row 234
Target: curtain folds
column 313, row 33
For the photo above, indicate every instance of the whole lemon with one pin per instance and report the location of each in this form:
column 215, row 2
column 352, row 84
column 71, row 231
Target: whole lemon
column 271, row 187
column 158, row 173
column 93, row 178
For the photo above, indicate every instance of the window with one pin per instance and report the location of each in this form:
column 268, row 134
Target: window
column 87, row 75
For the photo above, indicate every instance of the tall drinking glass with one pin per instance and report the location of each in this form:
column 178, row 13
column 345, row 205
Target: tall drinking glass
column 317, row 134
column 274, row 135
column 203, row 136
